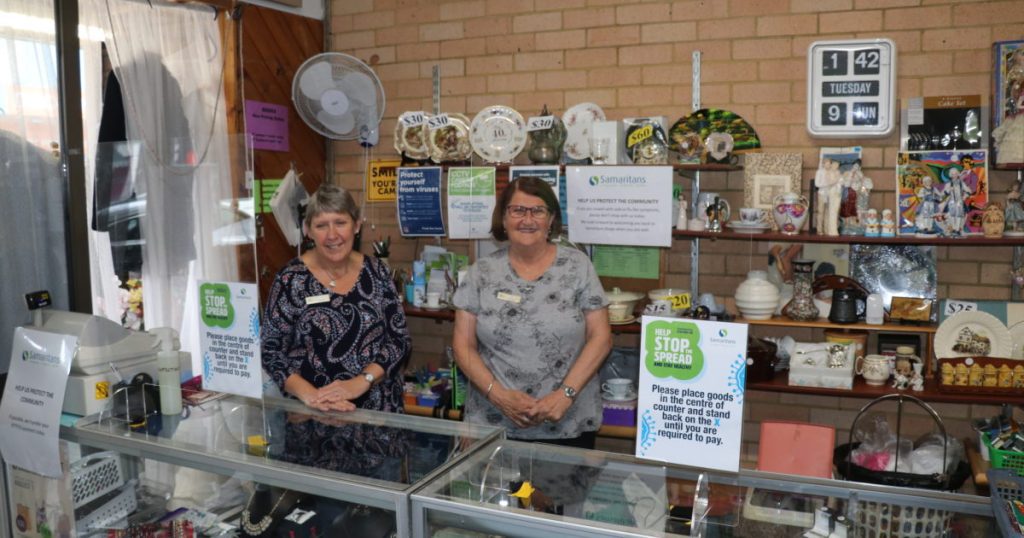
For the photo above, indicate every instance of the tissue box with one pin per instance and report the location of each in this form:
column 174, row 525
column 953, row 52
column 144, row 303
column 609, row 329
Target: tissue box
column 810, row 368
column 620, row 413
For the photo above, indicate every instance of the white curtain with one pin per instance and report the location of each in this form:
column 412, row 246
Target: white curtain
column 31, row 187
column 170, row 66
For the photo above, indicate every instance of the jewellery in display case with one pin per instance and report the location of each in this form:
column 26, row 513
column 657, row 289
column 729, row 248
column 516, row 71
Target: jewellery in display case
column 260, row 527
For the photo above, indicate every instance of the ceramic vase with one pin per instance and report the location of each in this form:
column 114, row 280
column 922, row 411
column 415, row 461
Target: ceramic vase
column 802, row 308
column 756, row 298
column 789, row 210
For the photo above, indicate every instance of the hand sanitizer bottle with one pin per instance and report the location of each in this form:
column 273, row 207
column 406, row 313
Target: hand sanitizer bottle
column 168, row 363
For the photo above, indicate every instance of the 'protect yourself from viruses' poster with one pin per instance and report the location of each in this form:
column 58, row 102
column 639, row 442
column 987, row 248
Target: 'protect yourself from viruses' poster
column 690, row 408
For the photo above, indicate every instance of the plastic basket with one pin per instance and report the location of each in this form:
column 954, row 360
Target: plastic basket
column 1003, row 459
column 94, row 476
column 1005, row 485
column 884, row 520
column 112, row 513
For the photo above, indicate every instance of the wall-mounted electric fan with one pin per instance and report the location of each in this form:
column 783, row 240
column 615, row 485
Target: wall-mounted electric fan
column 340, row 97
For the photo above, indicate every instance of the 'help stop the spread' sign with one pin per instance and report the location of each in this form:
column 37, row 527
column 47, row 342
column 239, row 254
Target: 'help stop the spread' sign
column 690, row 408
column 229, row 338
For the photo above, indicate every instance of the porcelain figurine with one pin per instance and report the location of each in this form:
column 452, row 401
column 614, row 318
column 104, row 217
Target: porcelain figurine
column 955, row 194
column 856, row 196
column 681, row 220
column 828, row 180
column 928, row 206
column 1014, row 215
column 992, row 221
column 871, row 227
column 888, row 224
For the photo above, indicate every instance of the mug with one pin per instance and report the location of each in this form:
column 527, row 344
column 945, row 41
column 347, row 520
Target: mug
column 618, row 388
column 874, row 368
column 752, row 215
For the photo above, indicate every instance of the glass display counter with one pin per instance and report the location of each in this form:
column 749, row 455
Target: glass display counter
column 276, row 453
column 529, row 490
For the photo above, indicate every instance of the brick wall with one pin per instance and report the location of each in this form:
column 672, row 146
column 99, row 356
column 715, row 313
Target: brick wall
column 634, row 58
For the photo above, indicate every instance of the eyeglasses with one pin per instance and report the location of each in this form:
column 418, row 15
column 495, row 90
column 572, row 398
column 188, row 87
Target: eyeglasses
column 520, row 211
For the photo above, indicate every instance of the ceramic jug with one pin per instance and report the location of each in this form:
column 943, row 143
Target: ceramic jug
column 874, row 368
column 789, row 210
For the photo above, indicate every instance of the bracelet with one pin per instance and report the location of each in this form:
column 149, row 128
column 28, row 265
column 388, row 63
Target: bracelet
column 487, row 395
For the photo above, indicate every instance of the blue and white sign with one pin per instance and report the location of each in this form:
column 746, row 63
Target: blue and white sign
column 419, row 201
column 620, row 205
column 33, row 398
column 692, row 377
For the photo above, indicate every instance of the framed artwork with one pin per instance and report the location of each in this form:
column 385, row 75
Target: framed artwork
column 1008, row 103
column 766, row 175
column 941, row 192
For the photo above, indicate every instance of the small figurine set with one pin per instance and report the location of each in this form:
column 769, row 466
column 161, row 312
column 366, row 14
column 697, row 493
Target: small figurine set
column 844, row 197
column 908, row 370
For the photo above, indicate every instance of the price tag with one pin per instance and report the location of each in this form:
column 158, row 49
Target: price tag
column 680, row 302
column 540, row 123
column 955, row 307
column 438, row 122
column 414, row 119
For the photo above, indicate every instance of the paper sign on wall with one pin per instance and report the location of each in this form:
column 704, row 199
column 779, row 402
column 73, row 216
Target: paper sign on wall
column 267, row 124
column 381, row 179
column 229, row 338
column 419, row 201
column 620, row 205
column 33, row 398
column 470, row 202
column 692, row 376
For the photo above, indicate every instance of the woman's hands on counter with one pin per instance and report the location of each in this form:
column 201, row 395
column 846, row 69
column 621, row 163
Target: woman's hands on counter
column 338, row 395
column 552, row 407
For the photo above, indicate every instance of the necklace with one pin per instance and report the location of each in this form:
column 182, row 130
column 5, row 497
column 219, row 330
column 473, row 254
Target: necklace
column 256, row 529
column 334, row 280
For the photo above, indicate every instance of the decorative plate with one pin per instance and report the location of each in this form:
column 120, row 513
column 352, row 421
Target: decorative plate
column 1017, row 337
column 970, row 334
column 498, row 134
column 578, row 120
column 412, row 141
column 715, row 120
column 652, row 146
column 451, row 142
column 895, row 270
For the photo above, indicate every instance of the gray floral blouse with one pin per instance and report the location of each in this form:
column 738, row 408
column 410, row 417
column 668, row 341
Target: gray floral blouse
column 529, row 333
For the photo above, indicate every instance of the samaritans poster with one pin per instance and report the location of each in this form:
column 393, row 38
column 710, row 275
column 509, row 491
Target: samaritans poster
column 229, row 338
column 690, row 408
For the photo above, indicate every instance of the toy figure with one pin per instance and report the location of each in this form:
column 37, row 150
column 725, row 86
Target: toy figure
column 1014, row 216
column 992, row 220
column 928, row 206
column 856, row 193
column 955, row 194
column 871, row 228
column 681, row 220
column 888, row 224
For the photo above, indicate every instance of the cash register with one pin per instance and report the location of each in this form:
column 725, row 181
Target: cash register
column 106, row 353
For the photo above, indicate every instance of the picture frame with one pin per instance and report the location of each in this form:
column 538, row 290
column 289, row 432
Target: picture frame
column 911, row 309
column 765, row 175
column 1007, row 108
column 924, row 204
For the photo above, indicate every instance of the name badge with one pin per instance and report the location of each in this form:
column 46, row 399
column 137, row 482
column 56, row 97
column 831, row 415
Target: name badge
column 509, row 298
column 317, row 299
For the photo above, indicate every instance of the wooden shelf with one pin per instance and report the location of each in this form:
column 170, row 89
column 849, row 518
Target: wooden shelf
column 819, row 324
column 780, row 383
column 969, row 241
column 501, row 167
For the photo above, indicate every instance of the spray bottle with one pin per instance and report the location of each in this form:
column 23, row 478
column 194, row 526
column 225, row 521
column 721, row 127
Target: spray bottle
column 168, row 363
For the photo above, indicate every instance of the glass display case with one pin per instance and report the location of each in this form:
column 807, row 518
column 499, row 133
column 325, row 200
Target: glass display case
column 528, row 490
column 254, row 459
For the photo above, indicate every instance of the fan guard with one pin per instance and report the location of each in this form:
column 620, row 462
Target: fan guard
column 340, row 97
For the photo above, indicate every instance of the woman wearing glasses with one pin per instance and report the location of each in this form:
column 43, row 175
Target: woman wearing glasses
column 531, row 326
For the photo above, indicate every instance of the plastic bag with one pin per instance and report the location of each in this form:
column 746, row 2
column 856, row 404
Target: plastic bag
column 927, row 456
column 877, row 444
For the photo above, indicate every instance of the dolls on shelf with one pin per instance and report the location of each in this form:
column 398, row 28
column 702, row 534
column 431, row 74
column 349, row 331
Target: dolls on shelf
column 871, row 225
column 856, row 194
column 828, row 181
column 1014, row 214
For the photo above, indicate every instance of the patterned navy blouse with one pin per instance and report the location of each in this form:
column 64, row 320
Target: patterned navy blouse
column 338, row 338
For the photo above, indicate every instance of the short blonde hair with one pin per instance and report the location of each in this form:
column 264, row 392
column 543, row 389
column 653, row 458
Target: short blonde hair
column 330, row 199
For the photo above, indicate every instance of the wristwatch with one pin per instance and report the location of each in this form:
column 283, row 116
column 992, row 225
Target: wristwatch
column 370, row 378
column 569, row 392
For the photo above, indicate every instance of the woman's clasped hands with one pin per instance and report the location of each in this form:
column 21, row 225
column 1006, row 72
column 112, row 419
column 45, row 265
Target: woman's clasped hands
column 526, row 411
column 338, row 395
